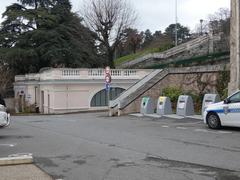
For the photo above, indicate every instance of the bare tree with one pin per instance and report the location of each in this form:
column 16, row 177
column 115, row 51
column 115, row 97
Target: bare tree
column 220, row 21
column 109, row 19
column 202, row 27
column 221, row 14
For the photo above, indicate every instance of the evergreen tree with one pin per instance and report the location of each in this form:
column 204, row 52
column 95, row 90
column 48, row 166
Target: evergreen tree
column 43, row 33
column 148, row 38
column 183, row 32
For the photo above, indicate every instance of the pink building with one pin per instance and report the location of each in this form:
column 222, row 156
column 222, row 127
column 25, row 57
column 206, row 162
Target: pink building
column 71, row 90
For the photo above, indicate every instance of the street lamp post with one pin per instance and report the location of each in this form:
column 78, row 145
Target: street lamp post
column 201, row 27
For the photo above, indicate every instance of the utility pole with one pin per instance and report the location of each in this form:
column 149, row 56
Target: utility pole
column 201, row 27
column 176, row 29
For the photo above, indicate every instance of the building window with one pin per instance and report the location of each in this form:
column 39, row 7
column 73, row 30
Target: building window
column 100, row 99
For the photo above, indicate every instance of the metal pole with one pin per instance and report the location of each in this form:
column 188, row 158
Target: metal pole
column 176, row 29
column 201, row 31
column 108, row 95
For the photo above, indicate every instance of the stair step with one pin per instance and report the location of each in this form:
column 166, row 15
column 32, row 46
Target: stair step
column 157, row 76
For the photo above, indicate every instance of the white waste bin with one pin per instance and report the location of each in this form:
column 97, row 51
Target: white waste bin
column 164, row 106
column 147, row 106
column 185, row 106
column 209, row 99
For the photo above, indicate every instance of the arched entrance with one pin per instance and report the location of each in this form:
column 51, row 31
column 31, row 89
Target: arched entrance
column 100, row 98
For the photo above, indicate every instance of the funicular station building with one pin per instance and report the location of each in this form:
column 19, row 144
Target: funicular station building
column 61, row 90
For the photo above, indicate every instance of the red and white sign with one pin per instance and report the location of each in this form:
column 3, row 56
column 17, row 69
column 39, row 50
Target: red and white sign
column 107, row 70
column 108, row 78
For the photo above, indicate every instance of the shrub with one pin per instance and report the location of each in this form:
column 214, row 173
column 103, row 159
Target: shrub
column 197, row 101
column 173, row 93
column 222, row 83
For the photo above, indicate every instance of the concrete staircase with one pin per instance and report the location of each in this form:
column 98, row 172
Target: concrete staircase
column 169, row 53
column 136, row 90
column 148, row 82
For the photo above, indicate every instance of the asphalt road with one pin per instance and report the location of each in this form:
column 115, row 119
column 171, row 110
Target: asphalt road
column 92, row 146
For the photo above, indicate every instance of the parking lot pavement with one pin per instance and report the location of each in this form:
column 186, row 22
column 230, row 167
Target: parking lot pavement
column 93, row 146
column 24, row 171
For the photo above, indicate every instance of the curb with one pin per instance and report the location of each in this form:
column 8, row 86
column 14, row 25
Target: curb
column 16, row 160
column 55, row 114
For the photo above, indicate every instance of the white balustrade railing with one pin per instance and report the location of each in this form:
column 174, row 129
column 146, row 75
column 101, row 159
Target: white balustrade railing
column 70, row 72
column 62, row 73
column 20, row 78
column 29, row 77
column 114, row 72
column 130, row 73
column 96, row 72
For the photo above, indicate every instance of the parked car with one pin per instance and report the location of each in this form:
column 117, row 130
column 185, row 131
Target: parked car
column 225, row 113
column 4, row 117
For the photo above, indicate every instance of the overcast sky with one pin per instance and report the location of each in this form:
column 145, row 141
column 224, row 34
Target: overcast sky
column 158, row 14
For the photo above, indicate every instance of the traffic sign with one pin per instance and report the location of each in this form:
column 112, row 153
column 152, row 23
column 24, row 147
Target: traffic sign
column 107, row 70
column 108, row 78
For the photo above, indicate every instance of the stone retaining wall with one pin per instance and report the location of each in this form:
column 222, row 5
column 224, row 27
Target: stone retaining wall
column 186, row 81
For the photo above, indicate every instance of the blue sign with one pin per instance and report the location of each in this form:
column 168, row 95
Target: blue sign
column 107, row 86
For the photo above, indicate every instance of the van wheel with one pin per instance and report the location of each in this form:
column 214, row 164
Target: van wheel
column 213, row 121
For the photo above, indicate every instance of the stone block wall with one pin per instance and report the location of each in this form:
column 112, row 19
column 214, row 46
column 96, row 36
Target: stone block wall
column 186, row 81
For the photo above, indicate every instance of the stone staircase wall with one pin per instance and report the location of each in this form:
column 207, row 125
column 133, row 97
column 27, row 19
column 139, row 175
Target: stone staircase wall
column 197, row 47
column 185, row 78
column 134, row 87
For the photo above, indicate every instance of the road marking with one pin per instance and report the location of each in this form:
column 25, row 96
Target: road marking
column 224, row 132
column 183, row 128
column 201, row 130
column 205, row 130
column 10, row 145
column 213, row 131
column 165, row 126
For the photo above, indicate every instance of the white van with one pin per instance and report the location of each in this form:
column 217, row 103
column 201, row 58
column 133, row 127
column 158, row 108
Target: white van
column 225, row 113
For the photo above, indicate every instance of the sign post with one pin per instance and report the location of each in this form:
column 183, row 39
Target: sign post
column 108, row 80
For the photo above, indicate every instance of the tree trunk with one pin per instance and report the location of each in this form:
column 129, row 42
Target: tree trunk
column 134, row 48
column 111, row 59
